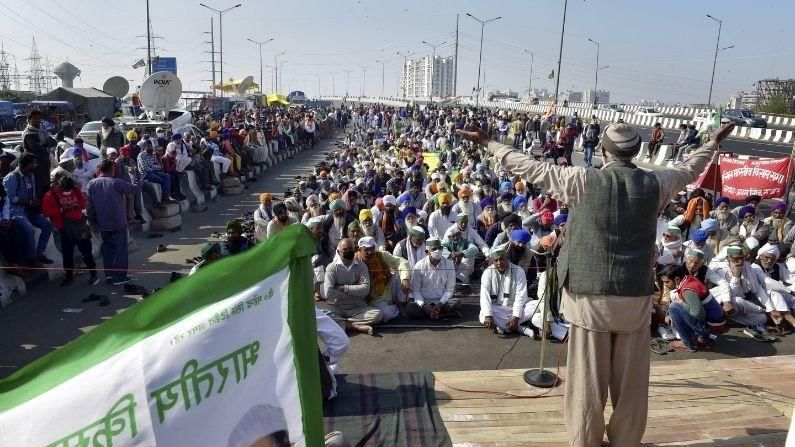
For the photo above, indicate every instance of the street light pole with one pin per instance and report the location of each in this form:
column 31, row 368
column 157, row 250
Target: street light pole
column 364, row 76
column 221, row 37
column 596, row 72
column 530, row 85
column 276, row 72
column 260, row 44
column 383, row 77
column 715, row 60
column 560, row 54
column 433, row 66
column 480, row 57
column 347, row 82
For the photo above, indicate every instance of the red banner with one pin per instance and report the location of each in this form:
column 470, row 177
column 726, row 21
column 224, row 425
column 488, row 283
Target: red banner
column 765, row 177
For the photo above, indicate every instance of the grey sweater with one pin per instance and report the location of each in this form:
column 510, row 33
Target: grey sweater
column 353, row 294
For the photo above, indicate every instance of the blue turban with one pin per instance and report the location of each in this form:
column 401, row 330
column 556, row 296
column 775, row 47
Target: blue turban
column 506, row 186
column 518, row 201
column 745, row 210
column 709, row 225
column 721, row 200
column 176, row 136
column 507, row 195
column 561, row 219
column 488, row 201
column 699, row 236
column 409, row 210
column 520, row 236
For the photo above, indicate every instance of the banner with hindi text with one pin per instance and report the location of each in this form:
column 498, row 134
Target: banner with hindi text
column 226, row 357
column 766, row 177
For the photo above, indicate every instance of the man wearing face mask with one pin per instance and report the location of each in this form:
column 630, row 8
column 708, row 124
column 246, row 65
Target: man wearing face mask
column 281, row 220
column 346, row 285
column 432, row 285
column 504, row 305
column 443, row 218
column 778, row 283
column 671, row 250
column 467, row 206
column 745, row 300
column 726, row 219
column 369, row 229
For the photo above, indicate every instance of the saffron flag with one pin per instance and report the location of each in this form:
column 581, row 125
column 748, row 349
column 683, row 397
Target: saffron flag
column 139, row 64
column 226, row 357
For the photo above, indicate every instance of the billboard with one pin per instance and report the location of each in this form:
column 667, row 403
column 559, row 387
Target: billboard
column 161, row 63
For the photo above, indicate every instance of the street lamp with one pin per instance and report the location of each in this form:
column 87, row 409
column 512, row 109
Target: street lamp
column 364, row 76
column 433, row 64
column 347, row 82
column 596, row 72
column 480, row 58
column 403, row 70
column 260, row 44
column 715, row 60
column 333, row 75
column 276, row 72
column 530, row 86
column 221, row 34
column 382, row 76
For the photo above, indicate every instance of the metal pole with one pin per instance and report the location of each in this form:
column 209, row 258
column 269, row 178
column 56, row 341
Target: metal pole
column 260, row 67
column 531, row 71
column 212, row 50
column 364, row 77
column 148, row 40
column 480, row 60
column 596, row 77
column 715, row 60
column 455, row 67
column 221, row 48
column 560, row 54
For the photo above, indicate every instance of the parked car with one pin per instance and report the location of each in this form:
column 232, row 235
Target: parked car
column 649, row 111
column 745, row 117
column 90, row 132
column 12, row 143
column 611, row 108
column 701, row 119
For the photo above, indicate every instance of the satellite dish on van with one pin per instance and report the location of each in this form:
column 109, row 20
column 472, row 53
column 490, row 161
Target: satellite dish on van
column 160, row 91
column 245, row 84
column 116, row 86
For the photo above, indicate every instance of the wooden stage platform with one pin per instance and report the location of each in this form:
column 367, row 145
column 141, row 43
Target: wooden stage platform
column 744, row 402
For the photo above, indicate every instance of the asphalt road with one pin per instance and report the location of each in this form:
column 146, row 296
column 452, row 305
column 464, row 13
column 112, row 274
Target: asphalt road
column 36, row 324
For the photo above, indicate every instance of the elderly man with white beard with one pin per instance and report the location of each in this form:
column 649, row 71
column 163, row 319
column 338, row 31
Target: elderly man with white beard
column 313, row 209
column 467, row 206
column 336, row 223
column 487, row 217
column 780, row 227
column 462, row 222
column 412, row 248
column 726, row 219
column 505, row 205
column 462, row 252
column 745, row 300
column 389, row 279
column 370, row 229
column 751, row 226
column 778, row 282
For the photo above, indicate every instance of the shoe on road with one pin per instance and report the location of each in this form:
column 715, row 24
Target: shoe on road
column 122, row 281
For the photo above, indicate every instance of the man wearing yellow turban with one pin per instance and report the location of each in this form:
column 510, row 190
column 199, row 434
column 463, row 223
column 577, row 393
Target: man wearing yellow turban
column 369, row 228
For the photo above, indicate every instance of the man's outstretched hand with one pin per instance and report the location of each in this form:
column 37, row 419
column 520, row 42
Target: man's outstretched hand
column 723, row 132
column 474, row 134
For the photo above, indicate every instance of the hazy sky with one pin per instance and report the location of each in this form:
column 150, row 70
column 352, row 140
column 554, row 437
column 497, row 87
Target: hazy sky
column 655, row 50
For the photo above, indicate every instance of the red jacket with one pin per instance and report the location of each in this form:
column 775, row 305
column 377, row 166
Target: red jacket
column 71, row 205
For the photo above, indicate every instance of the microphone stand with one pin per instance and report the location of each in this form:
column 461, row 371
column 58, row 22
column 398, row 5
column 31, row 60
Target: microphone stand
column 540, row 377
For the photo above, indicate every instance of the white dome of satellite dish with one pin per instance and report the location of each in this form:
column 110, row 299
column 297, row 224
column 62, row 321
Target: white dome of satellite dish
column 245, row 84
column 116, row 86
column 160, row 91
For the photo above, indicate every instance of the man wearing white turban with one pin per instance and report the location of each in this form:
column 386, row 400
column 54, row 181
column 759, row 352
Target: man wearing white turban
column 778, row 283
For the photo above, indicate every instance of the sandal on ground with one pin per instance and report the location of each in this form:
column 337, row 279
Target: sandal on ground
column 678, row 345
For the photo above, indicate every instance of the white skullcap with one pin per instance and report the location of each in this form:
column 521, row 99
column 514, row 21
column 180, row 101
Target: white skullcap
column 367, row 241
column 751, row 243
column 258, row 422
column 111, row 150
column 451, row 231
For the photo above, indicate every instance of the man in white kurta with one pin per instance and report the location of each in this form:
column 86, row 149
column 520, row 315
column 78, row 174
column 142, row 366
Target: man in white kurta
column 504, row 304
column 432, row 284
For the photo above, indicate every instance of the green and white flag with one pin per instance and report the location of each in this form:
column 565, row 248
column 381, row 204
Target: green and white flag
column 226, row 357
